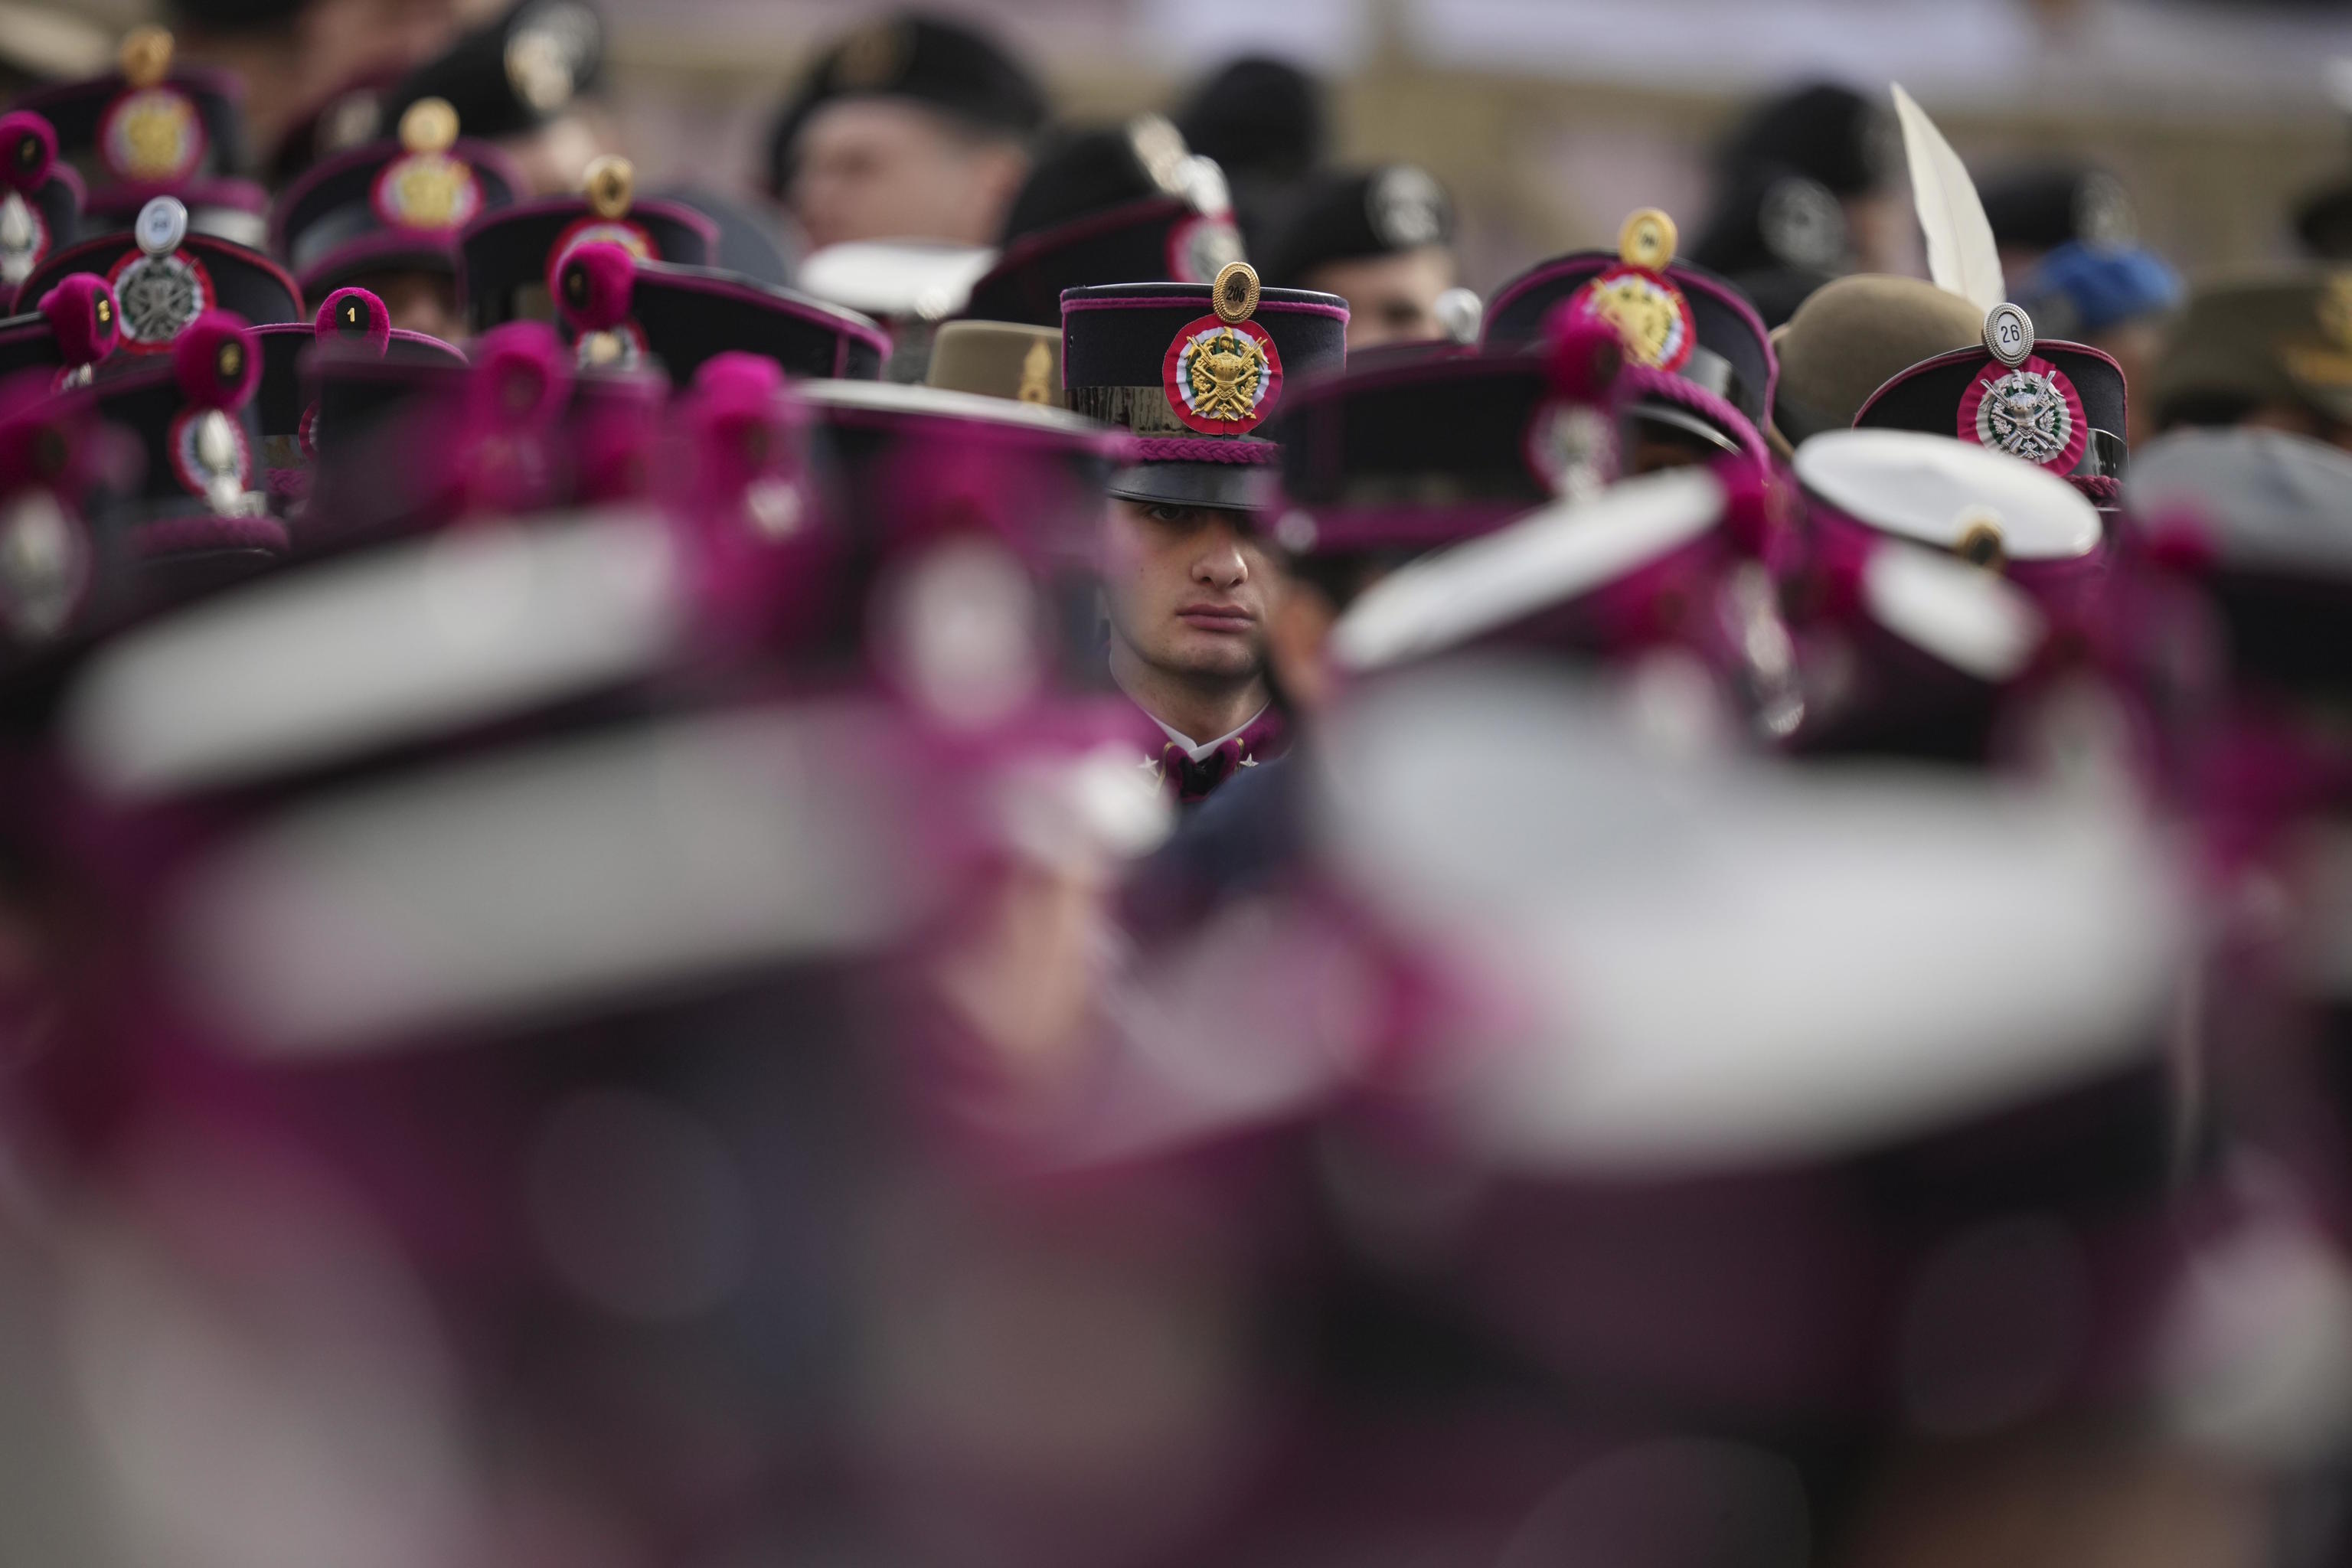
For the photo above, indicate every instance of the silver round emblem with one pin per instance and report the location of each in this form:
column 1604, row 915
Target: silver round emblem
column 1159, row 148
column 43, row 566
column 1406, row 207
column 2026, row 416
column 159, row 295
column 1204, row 186
column 1211, row 246
column 1801, row 223
column 22, row 238
column 162, row 225
column 1461, row 312
column 2009, row 333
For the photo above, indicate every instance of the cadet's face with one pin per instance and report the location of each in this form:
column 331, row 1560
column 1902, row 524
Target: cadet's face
column 1186, row 588
column 1391, row 298
column 873, row 168
column 418, row 302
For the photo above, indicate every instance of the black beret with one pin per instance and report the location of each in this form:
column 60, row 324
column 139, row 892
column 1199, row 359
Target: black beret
column 1340, row 216
column 1259, row 118
column 1133, row 354
column 2048, row 205
column 1829, row 133
column 2076, row 391
column 944, row 65
column 511, row 76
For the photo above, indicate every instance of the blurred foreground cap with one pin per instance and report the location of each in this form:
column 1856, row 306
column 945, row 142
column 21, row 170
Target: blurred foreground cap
column 1978, row 505
column 1843, row 139
column 944, row 65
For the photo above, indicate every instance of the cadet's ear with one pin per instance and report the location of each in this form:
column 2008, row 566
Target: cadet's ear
column 1298, row 643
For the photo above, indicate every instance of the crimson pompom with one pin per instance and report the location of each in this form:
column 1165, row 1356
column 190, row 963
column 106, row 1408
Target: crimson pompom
column 354, row 315
column 215, row 361
column 29, row 146
column 82, row 313
column 1583, row 354
column 522, row 377
column 590, row 285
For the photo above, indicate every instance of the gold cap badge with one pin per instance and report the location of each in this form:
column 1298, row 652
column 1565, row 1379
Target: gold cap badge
column 146, row 56
column 1235, row 292
column 610, row 182
column 428, row 125
column 1647, row 240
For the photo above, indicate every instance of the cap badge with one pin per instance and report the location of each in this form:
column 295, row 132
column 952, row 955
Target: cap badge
column 159, row 289
column 1405, row 207
column 1161, row 148
column 543, row 59
column 1201, row 246
column 44, row 567
column 619, row 348
column 151, row 134
column 2020, row 404
column 24, row 239
column 425, row 188
column 610, row 186
column 1636, row 297
column 1801, row 223
column 1036, row 374
column 1222, row 374
column 212, row 459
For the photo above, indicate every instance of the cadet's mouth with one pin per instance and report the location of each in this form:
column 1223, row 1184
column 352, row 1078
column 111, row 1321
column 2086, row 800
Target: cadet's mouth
column 1217, row 617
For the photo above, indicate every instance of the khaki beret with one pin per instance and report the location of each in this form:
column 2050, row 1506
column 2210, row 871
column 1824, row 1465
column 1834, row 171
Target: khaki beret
column 1851, row 337
column 998, row 359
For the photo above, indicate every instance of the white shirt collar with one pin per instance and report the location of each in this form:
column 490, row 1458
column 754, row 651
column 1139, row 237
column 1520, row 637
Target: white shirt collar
column 1197, row 751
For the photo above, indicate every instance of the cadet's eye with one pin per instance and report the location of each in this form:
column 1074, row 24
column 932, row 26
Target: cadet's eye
column 1170, row 516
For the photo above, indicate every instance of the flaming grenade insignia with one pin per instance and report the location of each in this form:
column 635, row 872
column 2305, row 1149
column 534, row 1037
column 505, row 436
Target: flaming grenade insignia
column 1226, row 372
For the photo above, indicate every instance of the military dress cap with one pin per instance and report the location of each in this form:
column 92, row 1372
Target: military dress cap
column 164, row 277
column 998, row 359
column 1342, row 216
column 623, row 313
column 199, row 516
column 2091, row 289
column 2272, row 515
column 2241, row 342
column 1984, row 507
column 1192, row 372
column 2058, row 405
column 943, row 65
column 40, row 198
column 506, row 257
column 511, row 76
column 1127, row 205
column 74, row 326
column 1852, row 336
column 390, row 206
column 2043, row 207
column 1412, row 451
column 147, row 129
column 1698, row 355
column 353, row 115
column 350, row 323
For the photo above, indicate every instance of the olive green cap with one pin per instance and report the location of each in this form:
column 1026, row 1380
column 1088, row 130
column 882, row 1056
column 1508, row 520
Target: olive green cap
column 2273, row 338
column 998, row 359
column 1852, row 336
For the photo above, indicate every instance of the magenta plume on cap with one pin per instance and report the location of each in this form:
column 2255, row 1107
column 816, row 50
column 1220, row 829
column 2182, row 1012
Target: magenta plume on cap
column 82, row 314
column 215, row 362
column 353, row 316
column 1582, row 354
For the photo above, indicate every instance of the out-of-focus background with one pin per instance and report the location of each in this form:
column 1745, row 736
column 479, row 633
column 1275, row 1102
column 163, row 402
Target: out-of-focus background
column 1548, row 120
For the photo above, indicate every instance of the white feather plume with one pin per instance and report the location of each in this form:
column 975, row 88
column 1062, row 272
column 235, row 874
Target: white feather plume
column 1962, row 255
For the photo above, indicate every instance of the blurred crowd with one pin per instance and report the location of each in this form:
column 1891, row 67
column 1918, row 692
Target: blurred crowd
column 1022, row 848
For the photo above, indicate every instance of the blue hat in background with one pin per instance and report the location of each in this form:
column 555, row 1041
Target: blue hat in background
column 2081, row 289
